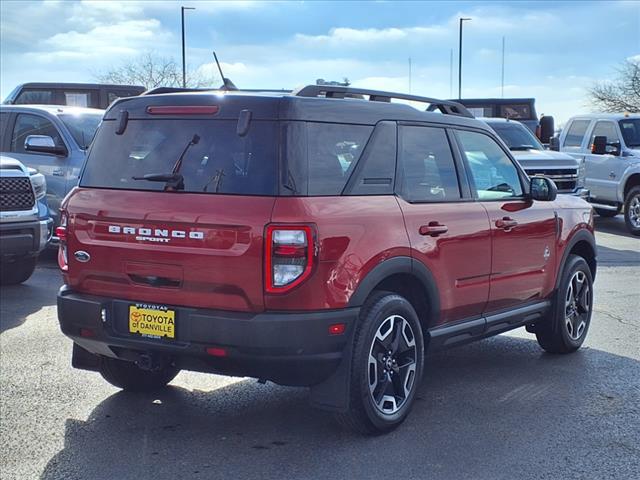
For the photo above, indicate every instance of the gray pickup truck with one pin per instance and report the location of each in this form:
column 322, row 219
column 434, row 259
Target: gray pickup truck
column 563, row 169
column 608, row 144
column 25, row 224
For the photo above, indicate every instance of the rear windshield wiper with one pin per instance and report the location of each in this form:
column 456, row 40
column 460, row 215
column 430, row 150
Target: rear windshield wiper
column 174, row 180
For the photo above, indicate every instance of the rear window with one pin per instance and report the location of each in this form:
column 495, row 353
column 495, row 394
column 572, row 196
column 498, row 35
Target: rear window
column 220, row 162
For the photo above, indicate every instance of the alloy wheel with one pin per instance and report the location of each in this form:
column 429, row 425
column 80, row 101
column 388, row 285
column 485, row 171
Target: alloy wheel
column 577, row 305
column 392, row 364
column 634, row 211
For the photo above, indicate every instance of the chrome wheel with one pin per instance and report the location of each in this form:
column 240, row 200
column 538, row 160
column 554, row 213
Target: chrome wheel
column 634, row 211
column 392, row 364
column 577, row 305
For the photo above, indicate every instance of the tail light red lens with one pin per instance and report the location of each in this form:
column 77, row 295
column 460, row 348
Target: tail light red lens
column 289, row 256
column 61, row 233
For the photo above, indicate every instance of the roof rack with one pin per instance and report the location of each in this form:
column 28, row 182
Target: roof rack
column 158, row 90
column 335, row 91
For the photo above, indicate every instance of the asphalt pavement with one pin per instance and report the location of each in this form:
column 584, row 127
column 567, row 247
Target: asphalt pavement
column 497, row 409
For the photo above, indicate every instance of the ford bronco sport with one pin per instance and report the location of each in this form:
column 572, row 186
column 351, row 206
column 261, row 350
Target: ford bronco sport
column 327, row 238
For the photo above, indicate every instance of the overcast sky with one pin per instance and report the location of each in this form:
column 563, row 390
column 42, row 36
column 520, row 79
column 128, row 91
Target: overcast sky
column 554, row 50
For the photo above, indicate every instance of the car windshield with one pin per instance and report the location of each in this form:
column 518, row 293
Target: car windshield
column 82, row 126
column 219, row 161
column 630, row 129
column 516, row 136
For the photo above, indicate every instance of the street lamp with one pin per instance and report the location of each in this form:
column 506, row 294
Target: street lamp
column 184, row 73
column 460, row 59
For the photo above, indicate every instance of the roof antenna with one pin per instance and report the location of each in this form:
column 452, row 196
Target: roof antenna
column 226, row 83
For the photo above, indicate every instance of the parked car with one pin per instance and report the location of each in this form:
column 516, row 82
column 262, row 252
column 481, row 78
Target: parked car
column 562, row 168
column 51, row 139
column 90, row 95
column 314, row 240
column 25, row 224
column 609, row 146
column 520, row 109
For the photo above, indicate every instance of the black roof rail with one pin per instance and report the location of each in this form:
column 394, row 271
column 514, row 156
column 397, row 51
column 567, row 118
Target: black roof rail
column 158, row 90
column 336, row 91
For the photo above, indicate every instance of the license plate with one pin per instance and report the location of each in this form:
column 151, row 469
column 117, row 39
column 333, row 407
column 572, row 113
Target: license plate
column 153, row 321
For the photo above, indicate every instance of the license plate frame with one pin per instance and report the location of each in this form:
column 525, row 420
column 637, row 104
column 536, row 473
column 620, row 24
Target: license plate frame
column 152, row 321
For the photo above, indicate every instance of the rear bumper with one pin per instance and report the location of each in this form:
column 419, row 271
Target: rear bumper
column 18, row 239
column 284, row 347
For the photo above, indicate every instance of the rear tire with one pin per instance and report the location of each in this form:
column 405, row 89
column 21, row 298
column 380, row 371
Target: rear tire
column 607, row 213
column 567, row 327
column 17, row 272
column 128, row 376
column 632, row 210
column 387, row 365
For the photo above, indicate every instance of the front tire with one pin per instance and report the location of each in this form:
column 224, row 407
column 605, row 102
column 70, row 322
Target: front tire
column 566, row 329
column 387, row 365
column 18, row 271
column 128, row 376
column 632, row 210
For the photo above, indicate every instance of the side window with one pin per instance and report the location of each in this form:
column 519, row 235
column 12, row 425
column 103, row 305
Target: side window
column 428, row 172
column 4, row 122
column 28, row 124
column 493, row 173
column 35, row 97
column 333, row 151
column 576, row 132
column 605, row 129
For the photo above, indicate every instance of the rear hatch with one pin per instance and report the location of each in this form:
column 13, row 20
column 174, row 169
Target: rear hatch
column 192, row 236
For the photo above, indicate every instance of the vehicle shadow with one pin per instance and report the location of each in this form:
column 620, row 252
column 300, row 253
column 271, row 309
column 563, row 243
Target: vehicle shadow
column 17, row 302
column 614, row 225
column 613, row 257
column 486, row 410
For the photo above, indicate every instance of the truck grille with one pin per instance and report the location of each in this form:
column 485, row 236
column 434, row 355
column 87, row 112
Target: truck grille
column 566, row 179
column 16, row 194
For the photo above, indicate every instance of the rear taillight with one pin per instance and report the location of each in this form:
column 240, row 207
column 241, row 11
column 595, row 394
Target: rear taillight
column 289, row 256
column 61, row 233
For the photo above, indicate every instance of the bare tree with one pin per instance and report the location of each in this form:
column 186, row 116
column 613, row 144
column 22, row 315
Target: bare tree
column 151, row 70
column 621, row 94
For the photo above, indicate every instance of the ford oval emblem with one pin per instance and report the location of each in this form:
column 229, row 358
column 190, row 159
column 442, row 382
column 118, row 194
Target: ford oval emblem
column 82, row 256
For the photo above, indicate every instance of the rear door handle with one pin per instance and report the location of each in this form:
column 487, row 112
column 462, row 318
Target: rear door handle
column 433, row 229
column 506, row 223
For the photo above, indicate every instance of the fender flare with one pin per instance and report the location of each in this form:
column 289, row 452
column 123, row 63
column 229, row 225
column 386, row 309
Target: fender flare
column 582, row 235
column 395, row 265
column 629, row 172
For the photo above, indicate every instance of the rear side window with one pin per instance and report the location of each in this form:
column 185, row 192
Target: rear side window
column 4, row 123
column 35, row 97
column 576, row 132
column 428, row 172
column 219, row 162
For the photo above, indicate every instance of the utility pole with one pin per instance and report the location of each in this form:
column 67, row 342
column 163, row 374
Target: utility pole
column 460, row 59
column 502, row 88
column 409, row 74
column 184, row 68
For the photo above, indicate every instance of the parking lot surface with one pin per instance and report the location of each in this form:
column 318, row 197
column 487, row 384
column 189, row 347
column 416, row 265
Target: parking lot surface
column 496, row 409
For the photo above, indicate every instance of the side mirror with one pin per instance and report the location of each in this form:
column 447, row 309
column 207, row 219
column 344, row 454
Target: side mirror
column 543, row 189
column 43, row 144
column 599, row 146
column 613, row 148
column 546, row 128
column 554, row 143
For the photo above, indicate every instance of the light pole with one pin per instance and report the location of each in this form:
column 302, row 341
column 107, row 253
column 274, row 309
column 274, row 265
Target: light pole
column 460, row 59
column 184, row 69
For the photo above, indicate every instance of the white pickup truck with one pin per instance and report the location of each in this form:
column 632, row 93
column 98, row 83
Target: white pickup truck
column 609, row 146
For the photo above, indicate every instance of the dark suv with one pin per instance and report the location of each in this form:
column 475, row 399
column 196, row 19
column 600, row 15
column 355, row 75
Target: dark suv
column 324, row 238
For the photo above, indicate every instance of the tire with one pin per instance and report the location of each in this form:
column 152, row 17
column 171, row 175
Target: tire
column 632, row 210
column 128, row 376
column 17, row 272
column 607, row 213
column 566, row 328
column 387, row 322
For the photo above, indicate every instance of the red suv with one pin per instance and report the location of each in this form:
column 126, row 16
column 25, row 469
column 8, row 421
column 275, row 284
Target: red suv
column 327, row 238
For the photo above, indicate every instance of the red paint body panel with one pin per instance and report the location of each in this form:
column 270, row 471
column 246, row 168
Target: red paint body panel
column 221, row 271
column 460, row 259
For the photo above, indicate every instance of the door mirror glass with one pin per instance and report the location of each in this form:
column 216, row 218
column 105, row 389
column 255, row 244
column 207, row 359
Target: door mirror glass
column 42, row 144
column 599, row 145
column 543, row 189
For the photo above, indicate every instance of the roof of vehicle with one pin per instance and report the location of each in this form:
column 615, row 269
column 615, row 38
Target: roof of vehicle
column 606, row 116
column 304, row 105
column 54, row 109
column 75, row 85
column 499, row 120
